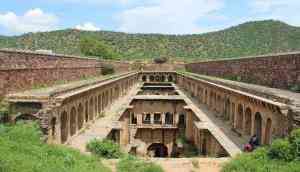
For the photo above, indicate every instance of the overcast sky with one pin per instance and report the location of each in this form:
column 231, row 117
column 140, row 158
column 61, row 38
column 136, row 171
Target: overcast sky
column 141, row 16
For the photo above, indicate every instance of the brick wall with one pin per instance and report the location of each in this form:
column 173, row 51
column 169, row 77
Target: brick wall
column 21, row 70
column 279, row 71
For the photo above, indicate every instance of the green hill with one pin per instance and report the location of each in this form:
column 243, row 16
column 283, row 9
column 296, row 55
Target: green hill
column 251, row 38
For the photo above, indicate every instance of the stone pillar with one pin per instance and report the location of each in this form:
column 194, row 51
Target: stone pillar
column 152, row 118
column 68, row 123
column 163, row 118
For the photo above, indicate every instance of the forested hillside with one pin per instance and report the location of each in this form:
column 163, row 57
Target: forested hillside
column 252, row 38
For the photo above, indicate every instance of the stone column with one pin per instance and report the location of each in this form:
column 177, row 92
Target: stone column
column 152, row 118
column 163, row 118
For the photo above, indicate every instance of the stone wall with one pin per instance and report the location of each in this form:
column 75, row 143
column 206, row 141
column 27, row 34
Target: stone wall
column 279, row 71
column 20, row 70
column 162, row 67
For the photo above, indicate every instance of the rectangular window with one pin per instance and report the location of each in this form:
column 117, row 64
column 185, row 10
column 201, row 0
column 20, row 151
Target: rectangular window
column 157, row 118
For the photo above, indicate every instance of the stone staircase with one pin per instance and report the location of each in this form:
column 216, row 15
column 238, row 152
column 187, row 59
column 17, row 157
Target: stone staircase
column 132, row 133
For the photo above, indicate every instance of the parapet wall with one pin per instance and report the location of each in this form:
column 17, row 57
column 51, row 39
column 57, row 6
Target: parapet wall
column 278, row 71
column 20, row 70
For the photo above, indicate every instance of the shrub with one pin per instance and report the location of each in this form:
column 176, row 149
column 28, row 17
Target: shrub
column 160, row 60
column 295, row 88
column 281, row 156
column 294, row 139
column 281, row 149
column 133, row 164
column 107, row 69
column 105, row 148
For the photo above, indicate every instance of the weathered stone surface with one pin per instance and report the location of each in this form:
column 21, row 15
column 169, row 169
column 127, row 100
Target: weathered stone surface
column 20, row 70
column 279, row 71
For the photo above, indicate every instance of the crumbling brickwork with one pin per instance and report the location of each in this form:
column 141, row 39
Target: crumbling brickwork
column 279, row 71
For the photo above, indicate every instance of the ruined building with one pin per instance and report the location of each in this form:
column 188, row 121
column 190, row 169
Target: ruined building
column 156, row 111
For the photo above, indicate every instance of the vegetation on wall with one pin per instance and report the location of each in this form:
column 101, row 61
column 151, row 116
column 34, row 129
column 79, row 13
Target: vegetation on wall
column 22, row 150
column 282, row 156
column 160, row 60
column 248, row 39
column 295, row 88
column 107, row 69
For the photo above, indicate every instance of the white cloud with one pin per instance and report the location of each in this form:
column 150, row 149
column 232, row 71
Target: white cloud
column 268, row 5
column 284, row 10
column 33, row 20
column 99, row 2
column 88, row 26
column 168, row 16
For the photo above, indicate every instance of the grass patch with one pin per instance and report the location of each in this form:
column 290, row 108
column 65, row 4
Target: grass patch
column 105, row 149
column 21, row 149
column 282, row 156
column 133, row 164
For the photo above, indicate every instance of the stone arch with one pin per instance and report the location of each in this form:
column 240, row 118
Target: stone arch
column 144, row 78
column 157, row 78
column 103, row 101
column 157, row 150
column 86, row 111
column 240, row 117
column 268, row 131
column 95, row 107
column 181, row 121
column 80, row 116
column 211, row 99
column 107, row 92
column 99, row 103
column 73, row 126
column 151, row 78
column 64, row 131
column 163, row 78
column 227, row 109
column 169, row 118
column 218, row 104
column 170, row 78
column 53, row 127
column 205, row 96
column 233, row 113
column 91, row 109
column 248, row 121
column 26, row 117
column 258, row 126
column 214, row 105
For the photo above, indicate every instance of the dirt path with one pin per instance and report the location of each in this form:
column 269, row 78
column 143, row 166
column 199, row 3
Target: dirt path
column 191, row 165
column 182, row 164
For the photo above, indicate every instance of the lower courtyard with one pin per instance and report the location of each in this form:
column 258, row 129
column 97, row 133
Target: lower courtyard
column 173, row 119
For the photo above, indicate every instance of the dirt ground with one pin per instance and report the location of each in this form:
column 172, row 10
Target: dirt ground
column 182, row 164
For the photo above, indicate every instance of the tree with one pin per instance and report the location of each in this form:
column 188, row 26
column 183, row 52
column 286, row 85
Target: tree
column 93, row 47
